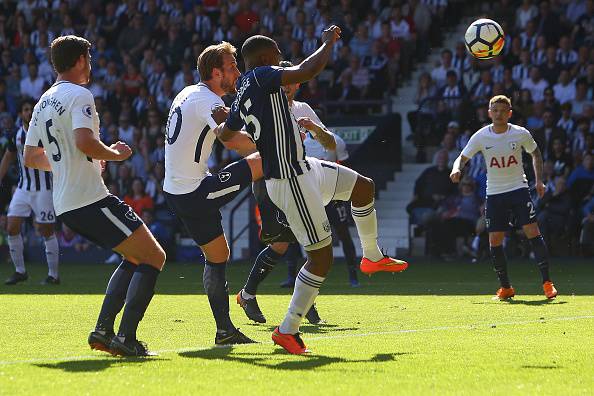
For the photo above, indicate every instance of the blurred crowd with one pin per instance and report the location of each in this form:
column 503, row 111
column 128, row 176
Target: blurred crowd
column 547, row 69
column 144, row 52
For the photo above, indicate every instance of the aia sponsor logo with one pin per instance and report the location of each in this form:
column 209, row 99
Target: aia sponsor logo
column 503, row 162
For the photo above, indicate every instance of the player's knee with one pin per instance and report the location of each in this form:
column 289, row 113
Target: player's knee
column 157, row 257
column 13, row 228
column 363, row 192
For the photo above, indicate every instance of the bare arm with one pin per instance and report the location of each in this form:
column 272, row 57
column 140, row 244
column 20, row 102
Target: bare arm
column 94, row 148
column 242, row 143
column 459, row 164
column 315, row 63
column 7, row 160
column 321, row 134
column 537, row 164
column 35, row 158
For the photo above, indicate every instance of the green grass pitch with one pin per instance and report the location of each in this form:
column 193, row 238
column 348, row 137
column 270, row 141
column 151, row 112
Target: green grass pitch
column 430, row 330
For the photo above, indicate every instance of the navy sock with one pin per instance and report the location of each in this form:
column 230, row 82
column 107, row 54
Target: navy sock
column 115, row 296
column 266, row 261
column 541, row 254
column 140, row 293
column 500, row 265
column 217, row 290
column 293, row 255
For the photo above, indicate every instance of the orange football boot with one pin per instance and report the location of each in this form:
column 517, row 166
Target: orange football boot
column 504, row 293
column 386, row 264
column 292, row 343
column 549, row 289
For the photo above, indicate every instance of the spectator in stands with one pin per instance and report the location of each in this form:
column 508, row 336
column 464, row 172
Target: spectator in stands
column 32, row 85
column 545, row 135
column 452, row 95
column 161, row 233
column 565, row 122
column 581, row 99
column 360, row 76
column 361, row 43
column 565, row 89
column 421, row 120
column 521, row 71
column 562, row 161
column 554, row 212
column 525, row 13
column 548, row 22
column 551, row 69
column 439, row 73
column 551, row 103
column 376, row 64
column 482, row 91
column 566, row 56
column 138, row 199
column 535, row 84
column 448, row 145
column 431, row 188
column 68, row 238
column 345, row 91
column 456, row 217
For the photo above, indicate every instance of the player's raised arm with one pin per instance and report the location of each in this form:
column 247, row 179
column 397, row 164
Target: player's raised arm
column 241, row 142
column 94, row 148
column 320, row 133
column 315, row 63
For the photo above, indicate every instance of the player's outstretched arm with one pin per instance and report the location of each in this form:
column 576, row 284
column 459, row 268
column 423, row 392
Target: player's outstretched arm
column 35, row 158
column 242, row 143
column 537, row 164
column 94, row 148
column 320, row 133
column 7, row 160
column 315, row 63
column 459, row 164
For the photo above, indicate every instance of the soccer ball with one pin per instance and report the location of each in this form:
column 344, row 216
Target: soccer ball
column 484, row 38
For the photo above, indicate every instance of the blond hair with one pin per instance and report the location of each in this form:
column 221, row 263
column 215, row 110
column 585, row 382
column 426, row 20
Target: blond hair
column 212, row 58
column 500, row 99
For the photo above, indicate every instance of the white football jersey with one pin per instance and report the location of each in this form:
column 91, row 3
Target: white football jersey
column 503, row 156
column 64, row 107
column 189, row 138
column 313, row 148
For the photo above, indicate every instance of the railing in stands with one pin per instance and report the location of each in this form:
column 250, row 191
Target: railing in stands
column 232, row 237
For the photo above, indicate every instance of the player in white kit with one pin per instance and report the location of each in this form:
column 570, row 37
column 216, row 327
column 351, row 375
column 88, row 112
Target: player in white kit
column 66, row 122
column 33, row 194
column 501, row 144
column 192, row 192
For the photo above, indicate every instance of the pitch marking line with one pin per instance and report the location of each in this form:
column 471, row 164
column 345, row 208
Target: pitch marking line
column 369, row 334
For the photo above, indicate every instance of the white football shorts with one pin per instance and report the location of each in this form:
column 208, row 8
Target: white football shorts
column 40, row 202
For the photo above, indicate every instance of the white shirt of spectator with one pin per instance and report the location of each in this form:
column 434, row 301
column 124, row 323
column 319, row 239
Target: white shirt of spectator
column 400, row 30
column 194, row 118
column 32, row 88
column 439, row 75
column 63, row 108
column 503, row 156
column 564, row 93
column 313, row 148
column 536, row 89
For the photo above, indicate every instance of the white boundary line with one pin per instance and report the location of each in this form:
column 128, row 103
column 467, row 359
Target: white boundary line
column 369, row 334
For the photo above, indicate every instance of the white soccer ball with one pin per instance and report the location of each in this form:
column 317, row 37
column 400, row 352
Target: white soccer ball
column 484, row 38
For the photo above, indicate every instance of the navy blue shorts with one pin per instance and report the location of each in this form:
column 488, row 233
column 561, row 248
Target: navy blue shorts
column 107, row 222
column 199, row 209
column 513, row 205
column 338, row 213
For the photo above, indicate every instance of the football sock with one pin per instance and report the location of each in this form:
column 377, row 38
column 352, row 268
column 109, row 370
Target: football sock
column 541, row 255
column 500, row 265
column 307, row 286
column 217, row 290
column 139, row 295
column 350, row 254
column 265, row 262
column 15, row 244
column 115, row 295
column 52, row 254
column 366, row 221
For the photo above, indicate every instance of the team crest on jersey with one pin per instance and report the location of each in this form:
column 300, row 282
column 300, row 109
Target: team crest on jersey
column 87, row 111
column 130, row 215
column 224, row 176
column 513, row 145
column 326, row 226
column 280, row 218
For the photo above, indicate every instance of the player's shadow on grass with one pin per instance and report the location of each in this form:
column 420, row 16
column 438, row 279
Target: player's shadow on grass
column 321, row 328
column 86, row 365
column 523, row 302
column 289, row 362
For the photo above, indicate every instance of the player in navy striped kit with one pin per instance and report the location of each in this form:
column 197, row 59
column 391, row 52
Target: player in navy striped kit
column 300, row 186
column 33, row 194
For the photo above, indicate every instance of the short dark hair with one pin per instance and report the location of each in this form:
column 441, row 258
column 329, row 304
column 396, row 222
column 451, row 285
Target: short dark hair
column 255, row 45
column 24, row 102
column 66, row 50
column 212, row 58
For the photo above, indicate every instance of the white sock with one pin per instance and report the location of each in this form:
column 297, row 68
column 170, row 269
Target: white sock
column 52, row 253
column 366, row 222
column 15, row 244
column 476, row 243
column 306, row 289
column 246, row 296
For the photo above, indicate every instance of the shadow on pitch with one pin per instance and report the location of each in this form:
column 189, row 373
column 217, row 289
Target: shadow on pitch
column 523, row 302
column 87, row 365
column 268, row 360
column 321, row 328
